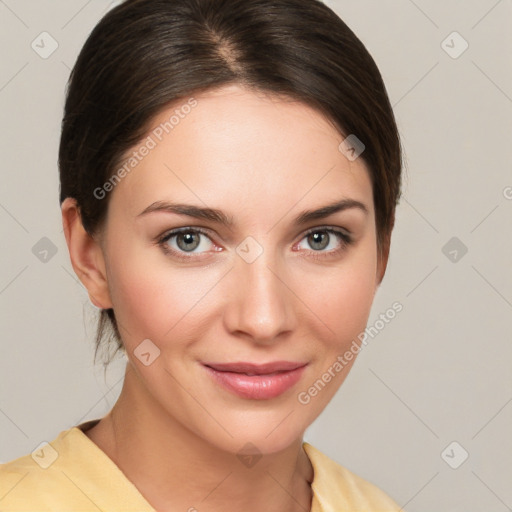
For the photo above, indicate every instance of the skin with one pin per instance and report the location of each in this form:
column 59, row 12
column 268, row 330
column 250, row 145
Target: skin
column 262, row 160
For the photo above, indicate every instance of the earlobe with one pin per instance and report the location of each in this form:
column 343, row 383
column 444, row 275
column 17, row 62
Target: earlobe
column 86, row 255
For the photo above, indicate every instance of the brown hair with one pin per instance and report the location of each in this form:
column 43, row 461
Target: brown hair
column 146, row 54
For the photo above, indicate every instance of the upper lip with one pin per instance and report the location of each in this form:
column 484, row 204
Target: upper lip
column 256, row 369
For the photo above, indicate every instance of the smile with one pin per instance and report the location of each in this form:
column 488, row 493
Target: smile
column 256, row 382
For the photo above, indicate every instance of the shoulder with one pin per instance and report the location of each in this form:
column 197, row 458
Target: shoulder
column 68, row 473
column 336, row 488
column 33, row 481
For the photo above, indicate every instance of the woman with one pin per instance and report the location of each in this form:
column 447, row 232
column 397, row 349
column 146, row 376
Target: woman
column 229, row 175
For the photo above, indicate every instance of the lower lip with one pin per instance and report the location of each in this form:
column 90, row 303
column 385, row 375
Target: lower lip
column 257, row 387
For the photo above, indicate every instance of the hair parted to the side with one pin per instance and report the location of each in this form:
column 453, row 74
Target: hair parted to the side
column 145, row 55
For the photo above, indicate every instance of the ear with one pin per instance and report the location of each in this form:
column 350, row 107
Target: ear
column 86, row 255
column 382, row 264
column 383, row 254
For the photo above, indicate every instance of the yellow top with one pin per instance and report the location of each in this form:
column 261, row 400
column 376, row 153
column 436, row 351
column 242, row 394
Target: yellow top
column 71, row 473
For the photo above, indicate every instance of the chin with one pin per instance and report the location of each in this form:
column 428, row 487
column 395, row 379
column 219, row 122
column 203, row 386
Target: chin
column 266, row 432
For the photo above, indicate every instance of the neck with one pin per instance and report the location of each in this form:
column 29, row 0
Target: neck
column 175, row 469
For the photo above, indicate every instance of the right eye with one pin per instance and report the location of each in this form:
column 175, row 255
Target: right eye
column 183, row 241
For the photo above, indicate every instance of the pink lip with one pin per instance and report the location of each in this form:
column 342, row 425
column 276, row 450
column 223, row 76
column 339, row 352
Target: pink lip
column 263, row 382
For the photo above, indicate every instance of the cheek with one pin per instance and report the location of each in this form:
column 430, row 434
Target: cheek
column 341, row 303
column 152, row 299
column 342, row 298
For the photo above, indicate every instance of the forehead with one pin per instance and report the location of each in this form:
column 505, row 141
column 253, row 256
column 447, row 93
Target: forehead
column 240, row 148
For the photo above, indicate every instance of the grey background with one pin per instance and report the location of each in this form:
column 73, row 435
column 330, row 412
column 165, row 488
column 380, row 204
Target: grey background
column 439, row 372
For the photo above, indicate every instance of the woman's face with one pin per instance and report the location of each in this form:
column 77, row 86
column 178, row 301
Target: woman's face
column 252, row 278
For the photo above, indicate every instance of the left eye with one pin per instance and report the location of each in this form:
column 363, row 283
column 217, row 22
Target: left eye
column 325, row 240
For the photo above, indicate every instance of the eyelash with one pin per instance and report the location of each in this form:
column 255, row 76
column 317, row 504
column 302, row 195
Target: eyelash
column 344, row 238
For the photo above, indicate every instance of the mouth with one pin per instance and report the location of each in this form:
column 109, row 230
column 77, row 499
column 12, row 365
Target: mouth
column 256, row 382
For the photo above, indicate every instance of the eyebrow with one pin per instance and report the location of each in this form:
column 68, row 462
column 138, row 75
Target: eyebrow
column 220, row 217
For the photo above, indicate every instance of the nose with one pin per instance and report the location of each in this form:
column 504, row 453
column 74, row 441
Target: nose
column 261, row 304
